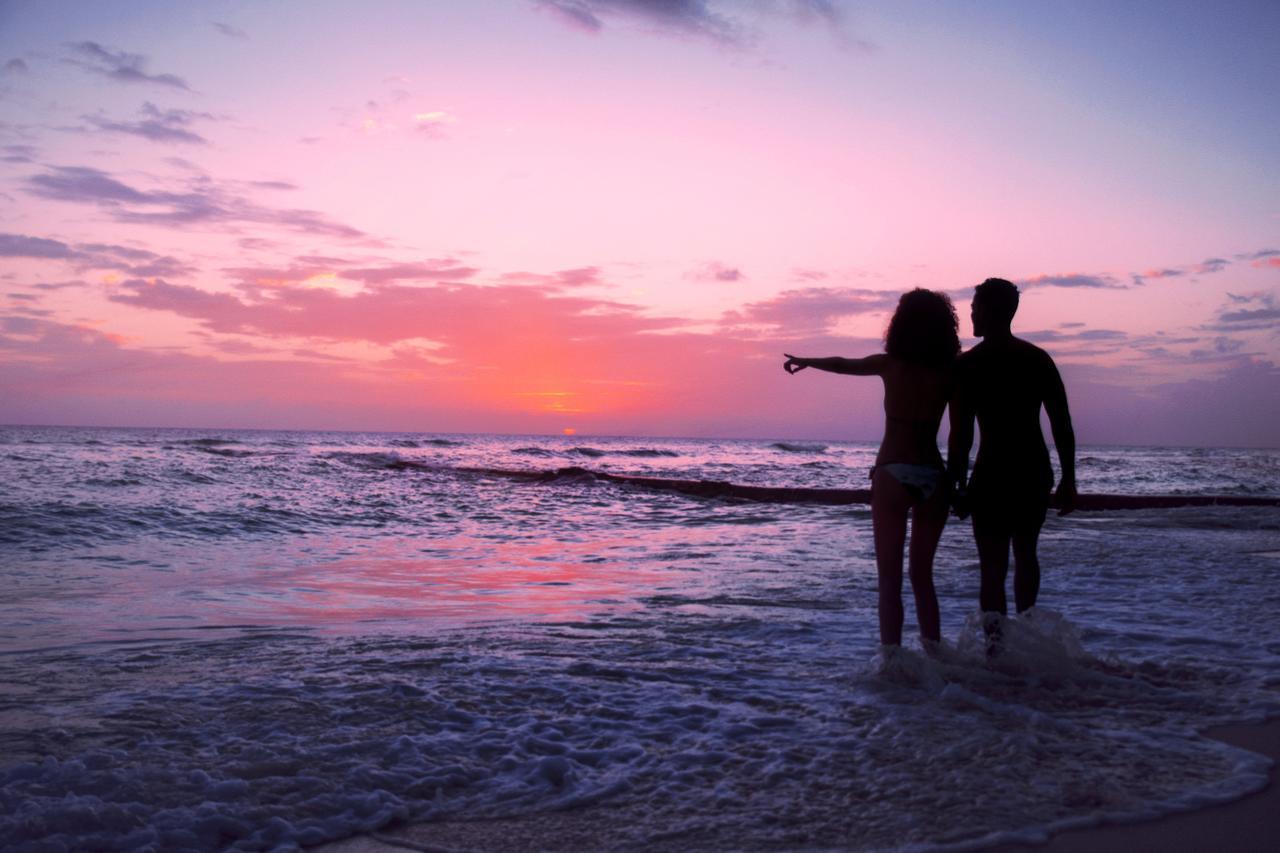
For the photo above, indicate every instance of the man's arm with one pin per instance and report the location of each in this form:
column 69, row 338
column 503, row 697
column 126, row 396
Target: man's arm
column 1064, row 438
column 872, row 365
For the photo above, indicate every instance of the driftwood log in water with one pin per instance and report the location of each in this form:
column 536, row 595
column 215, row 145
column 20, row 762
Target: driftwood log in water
column 843, row 497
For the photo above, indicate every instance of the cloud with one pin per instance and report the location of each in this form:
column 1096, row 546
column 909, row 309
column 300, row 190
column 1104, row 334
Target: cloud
column 1258, row 255
column 438, row 270
column 274, row 185
column 387, row 313
column 432, row 122
column 1267, row 263
column 17, row 153
column 810, row 311
column 328, row 271
column 59, row 285
column 228, row 30
column 1082, row 343
column 1140, row 279
column 576, row 15
column 120, row 66
column 1251, row 316
column 14, row 66
column 1248, row 312
column 257, row 244
column 21, row 246
column 719, row 22
column 688, row 17
column 156, row 125
column 85, row 256
column 204, row 202
column 1071, row 280
column 1210, row 265
column 716, row 271
column 576, row 277
column 81, row 183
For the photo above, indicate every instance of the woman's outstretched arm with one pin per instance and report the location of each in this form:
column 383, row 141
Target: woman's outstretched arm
column 872, row 365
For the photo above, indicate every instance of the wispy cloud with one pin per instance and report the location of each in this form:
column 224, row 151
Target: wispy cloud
column 157, row 125
column 810, row 311
column 575, row 277
column 119, row 65
column 1091, row 336
column 1140, row 279
column 689, row 17
column 201, row 202
column 328, row 271
column 22, row 246
column 1071, row 280
column 724, row 22
column 1210, row 265
column 229, row 30
column 384, row 314
column 18, row 154
column 90, row 256
column 14, row 66
column 716, row 271
column 1249, row 312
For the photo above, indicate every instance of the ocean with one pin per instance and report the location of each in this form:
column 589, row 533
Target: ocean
column 217, row 639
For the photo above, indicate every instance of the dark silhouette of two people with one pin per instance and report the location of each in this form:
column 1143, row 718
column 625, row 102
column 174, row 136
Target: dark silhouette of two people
column 1002, row 383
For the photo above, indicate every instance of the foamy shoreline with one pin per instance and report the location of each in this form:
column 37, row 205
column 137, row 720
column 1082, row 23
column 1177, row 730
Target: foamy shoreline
column 1248, row 824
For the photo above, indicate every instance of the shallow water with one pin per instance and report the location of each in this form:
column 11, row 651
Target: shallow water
column 254, row 639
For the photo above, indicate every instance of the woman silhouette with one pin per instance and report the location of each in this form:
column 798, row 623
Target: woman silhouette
column 909, row 477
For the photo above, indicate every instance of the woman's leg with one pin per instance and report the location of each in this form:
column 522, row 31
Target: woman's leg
column 889, row 505
column 927, row 521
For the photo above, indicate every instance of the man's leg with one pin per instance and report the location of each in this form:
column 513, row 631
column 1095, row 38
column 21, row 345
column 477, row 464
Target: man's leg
column 991, row 533
column 889, row 505
column 1026, row 571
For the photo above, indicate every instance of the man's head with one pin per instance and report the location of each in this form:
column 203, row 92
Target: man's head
column 995, row 301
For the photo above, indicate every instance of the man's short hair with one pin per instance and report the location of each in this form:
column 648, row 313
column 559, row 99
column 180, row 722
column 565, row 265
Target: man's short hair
column 999, row 296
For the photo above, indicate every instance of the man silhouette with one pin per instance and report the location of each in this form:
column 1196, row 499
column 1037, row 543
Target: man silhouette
column 1003, row 381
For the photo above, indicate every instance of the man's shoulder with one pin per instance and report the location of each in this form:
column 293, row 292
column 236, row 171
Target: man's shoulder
column 1012, row 351
column 1033, row 353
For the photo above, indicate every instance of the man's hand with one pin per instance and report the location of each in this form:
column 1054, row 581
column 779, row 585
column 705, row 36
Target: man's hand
column 794, row 364
column 1065, row 497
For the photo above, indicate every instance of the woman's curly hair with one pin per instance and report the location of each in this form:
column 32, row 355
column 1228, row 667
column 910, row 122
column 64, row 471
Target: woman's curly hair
column 924, row 329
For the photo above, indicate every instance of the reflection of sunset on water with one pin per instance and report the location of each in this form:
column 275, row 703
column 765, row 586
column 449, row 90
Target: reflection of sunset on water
column 465, row 579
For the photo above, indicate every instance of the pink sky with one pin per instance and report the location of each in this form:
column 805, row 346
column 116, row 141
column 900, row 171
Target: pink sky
column 615, row 215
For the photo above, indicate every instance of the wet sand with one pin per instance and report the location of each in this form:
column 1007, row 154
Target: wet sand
column 1250, row 824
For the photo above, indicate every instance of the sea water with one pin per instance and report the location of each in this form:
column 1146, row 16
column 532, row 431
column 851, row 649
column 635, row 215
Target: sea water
column 217, row 638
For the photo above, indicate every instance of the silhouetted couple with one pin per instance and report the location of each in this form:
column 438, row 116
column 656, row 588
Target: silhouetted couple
column 1003, row 382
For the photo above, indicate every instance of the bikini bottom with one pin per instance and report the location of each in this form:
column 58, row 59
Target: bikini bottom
column 920, row 481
